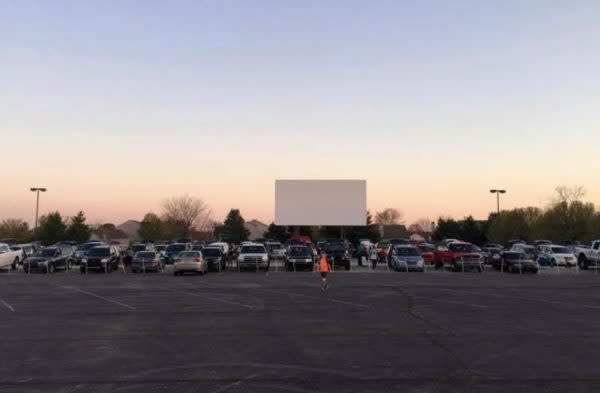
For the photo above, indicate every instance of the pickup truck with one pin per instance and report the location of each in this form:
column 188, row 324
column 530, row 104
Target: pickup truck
column 588, row 256
column 459, row 255
column 9, row 259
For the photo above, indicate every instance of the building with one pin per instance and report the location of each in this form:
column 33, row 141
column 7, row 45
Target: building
column 257, row 229
column 131, row 228
column 393, row 231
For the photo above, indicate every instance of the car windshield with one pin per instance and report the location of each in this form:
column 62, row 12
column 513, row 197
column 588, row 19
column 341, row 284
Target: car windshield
column 275, row 246
column 160, row 248
column 560, row 250
column 145, row 254
column 336, row 247
column 99, row 252
column 175, row 247
column 407, row 251
column 514, row 255
column 461, row 247
column 46, row 252
column 299, row 252
column 138, row 247
column 426, row 248
column 252, row 250
column 189, row 254
column 211, row 252
column 87, row 246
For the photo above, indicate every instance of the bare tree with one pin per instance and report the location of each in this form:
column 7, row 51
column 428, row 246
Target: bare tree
column 569, row 194
column 186, row 212
column 388, row 216
column 422, row 225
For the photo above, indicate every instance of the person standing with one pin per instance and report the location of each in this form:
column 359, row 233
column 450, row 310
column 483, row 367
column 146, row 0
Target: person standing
column 324, row 268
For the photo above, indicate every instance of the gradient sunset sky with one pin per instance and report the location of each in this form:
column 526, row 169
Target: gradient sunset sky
column 116, row 105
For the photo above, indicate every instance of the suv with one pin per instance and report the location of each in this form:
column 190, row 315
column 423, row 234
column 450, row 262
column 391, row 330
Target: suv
column 47, row 260
column 101, row 258
column 298, row 256
column 82, row 250
column 215, row 258
column 460, row 256
column 338, row 254
column 253, row 255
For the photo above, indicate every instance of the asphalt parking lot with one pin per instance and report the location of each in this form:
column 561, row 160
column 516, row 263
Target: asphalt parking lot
column 247, row 332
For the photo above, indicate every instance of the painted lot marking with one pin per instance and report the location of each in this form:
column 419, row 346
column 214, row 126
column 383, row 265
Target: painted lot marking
column 234, row 384
column 7, row 305
column 531, row 299
column 206, row 296
column 431, row 299
column 101, row 297
column 323, row 298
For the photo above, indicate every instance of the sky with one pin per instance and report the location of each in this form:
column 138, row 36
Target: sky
column 116, row 105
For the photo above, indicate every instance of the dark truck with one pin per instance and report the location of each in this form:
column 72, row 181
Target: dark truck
column 101, row 258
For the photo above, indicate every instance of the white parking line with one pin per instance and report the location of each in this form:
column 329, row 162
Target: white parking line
column 431, row 299
column 101, row 297
column 7, row 305
column 324, row 298
column 205, row 296
column 234, row 384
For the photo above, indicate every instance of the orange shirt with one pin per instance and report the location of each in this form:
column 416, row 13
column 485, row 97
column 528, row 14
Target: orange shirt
column 323, row 264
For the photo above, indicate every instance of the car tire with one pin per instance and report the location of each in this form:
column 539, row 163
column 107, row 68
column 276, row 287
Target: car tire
column 14, row 264
column 582, row 262
column 347, row 267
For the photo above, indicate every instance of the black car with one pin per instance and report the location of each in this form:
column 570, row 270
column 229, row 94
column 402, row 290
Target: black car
column 47, row 260
column 215, row 258
column 515, row 262
column 146, row 261
column 338, row 254
column 81, row 251
column 101, row 258
column 172, row 250
column 298, row 258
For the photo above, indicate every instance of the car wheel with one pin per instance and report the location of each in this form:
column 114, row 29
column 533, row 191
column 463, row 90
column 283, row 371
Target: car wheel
column 347, row 267
column 582, row 262
column 14, row 264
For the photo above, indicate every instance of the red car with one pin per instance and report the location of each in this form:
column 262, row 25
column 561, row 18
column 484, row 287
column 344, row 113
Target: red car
column 460, row 256
column 427, row 252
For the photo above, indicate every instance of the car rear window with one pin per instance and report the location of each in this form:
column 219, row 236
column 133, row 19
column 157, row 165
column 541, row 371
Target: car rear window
column 189, row 254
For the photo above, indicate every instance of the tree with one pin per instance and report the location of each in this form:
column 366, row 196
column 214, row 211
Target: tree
column 388, row 216
column 422, row 225
column 151, row 228
column 185, row 213
column 78, row 230
column 447, row 228
column 472, row 231
column 569, row 194
column 513, row 224
column 369, row 231
column 51, row 229
column 15, row 228
column 234, row 228
column 277, row 232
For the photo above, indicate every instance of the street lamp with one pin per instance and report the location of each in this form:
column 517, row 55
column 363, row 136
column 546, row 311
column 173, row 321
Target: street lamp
column 498, row 192
column 37, row 190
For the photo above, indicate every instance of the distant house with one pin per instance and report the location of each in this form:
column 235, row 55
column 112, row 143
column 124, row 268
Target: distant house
column 131, row 228
column 112, row 236
column 257, row 229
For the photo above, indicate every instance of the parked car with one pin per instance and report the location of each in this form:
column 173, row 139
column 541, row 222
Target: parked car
column 460, row 256
column 516, row 262
column 146, row 261
column 9, row 259
column 253, row 256
column 81, row 250
column 299, row 257
column 427, row 251
column 189, row 262
column 382, row 247
column 338, row 254
column 555, row 255
column 47, row 260
column 529, row 250
column 406, row 257
column 491, row 255
column 275, row 249
column 588, row 256
column 173, row 250
column 215, row 259
column 224, row 246
column 100, row 258
column 538, row 243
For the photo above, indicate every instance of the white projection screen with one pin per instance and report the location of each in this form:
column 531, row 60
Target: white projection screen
column 321, row 202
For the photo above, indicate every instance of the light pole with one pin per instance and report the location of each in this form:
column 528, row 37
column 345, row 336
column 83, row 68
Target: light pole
column 37, row 190
column 498, row 192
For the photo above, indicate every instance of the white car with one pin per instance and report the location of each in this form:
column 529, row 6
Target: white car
column 553, row 255
column 9, row 259
column 224, row 246
column 276, row 250
column 253, row 256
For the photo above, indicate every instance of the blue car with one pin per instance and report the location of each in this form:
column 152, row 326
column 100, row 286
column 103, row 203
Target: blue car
column 406, row 257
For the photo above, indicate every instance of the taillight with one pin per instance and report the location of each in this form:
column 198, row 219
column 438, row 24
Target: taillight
column 177, row 260
column 197, row 259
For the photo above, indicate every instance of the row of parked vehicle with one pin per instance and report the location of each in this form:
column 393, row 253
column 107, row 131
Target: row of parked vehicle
column 399, row 254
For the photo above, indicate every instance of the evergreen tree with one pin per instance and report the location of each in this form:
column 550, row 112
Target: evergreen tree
column 234, row 228
column 78, row 230
column 51, row 229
